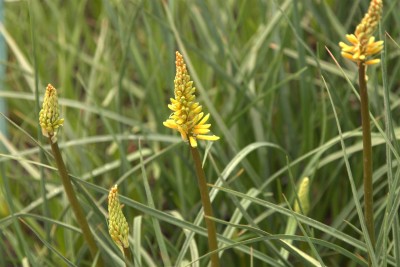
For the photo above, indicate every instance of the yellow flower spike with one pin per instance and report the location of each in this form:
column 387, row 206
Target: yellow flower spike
column 117, row 224
column 363, row 44
column 302, row 193
column 49, row 116
column 187, row 116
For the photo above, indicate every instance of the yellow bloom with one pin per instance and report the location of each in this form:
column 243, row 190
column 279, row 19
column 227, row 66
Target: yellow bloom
column 117, row 225
column 49, row 116
column 357, row 52
column 187, row 116
column 363, row 44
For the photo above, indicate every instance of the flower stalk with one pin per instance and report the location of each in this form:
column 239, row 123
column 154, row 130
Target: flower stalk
column 363, row 47
column 50, row 121
column 188, row 119
column 367, row 154
column 205, row 200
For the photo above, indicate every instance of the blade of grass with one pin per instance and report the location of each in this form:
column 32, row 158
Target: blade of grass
column 194, row 253
column 49, row 246
column 224, row 175
column 283, row 237
column 156, row 224
column 389, row 130
column 304, row 219
column 46, row 209
column 137, row 243
column 163, row 216
column 22, row 242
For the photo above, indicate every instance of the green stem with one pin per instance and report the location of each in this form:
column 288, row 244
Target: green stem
column 76, row 207
column 205, row 199
column 367, row 154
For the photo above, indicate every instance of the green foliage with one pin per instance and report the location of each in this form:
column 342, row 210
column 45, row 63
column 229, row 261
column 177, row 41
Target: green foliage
column 260, row 68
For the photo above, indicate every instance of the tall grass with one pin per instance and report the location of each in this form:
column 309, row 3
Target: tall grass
column 281, row 105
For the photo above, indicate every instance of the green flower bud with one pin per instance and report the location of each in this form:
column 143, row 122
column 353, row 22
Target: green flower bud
column 49, row 116
column 302, row 193
column 117, row 225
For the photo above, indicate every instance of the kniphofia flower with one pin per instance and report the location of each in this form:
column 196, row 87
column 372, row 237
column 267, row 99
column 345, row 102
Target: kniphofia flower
column 49, row 116
column 187, row 116
column 117, row 225
column 363, row 44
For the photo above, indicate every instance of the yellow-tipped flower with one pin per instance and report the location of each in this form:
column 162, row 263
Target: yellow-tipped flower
column 187, row 116
column 49, row 116
column 363, row 44
column 117, row 225
column 302, row 193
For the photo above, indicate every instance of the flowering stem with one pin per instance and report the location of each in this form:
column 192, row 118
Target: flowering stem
column 76, row 208
column 367, row 154
column 205, row 199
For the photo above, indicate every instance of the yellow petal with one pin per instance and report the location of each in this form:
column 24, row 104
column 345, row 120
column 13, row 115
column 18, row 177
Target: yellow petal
column 342, row 44
column 194, row 105
column 208, row 137
column 178, row 112
column 348, row 56
column 350, row 49
column 373, row 61
column 197, row 110
column 180, row 121
column 346, row 48
column 170, row 124
column 172, row 107
column 203, row 126
column 201, row 131
column 199, row 116
column 371, row 40
column 183, row 135
column 371, row 49
column 352, row 38
column 204, row 120
column 192, row 141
